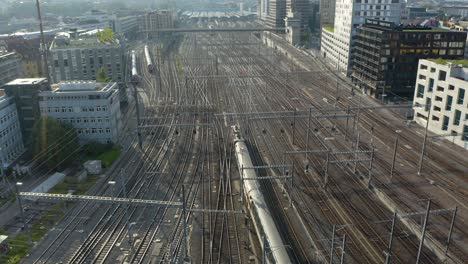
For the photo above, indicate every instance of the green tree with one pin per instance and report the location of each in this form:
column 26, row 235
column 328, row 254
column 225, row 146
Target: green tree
column 54, row 143
column 106, row 35
column 101, row 75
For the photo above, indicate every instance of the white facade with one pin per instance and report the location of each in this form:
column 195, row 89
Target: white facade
column 442, row 92
column 348, row 15
column 11, row 141
column 10, row 67
column 92, row 108
column 262, row 9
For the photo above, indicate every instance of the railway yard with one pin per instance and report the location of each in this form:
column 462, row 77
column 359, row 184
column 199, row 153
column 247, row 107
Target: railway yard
column 321, row 155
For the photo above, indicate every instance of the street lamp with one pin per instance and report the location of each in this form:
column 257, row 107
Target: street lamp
column 25, row 223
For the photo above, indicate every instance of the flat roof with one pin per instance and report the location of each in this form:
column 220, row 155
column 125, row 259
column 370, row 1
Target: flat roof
column 81, row 86
column 26, row 81
column 463, row 62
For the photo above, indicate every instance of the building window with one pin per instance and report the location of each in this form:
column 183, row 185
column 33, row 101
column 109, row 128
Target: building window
column 461, row 96
column 437, row 109
column 445, row 123
column 451, row 87
column 438, row 99
column 422, row 77
column 423, row 67
column 420, row 93
column 448, row 105
column 442, row 75
column 428, row 104
column 465, row 133
column 456, row 120
column 431, row 85
column 440, row 89
column 435, row 118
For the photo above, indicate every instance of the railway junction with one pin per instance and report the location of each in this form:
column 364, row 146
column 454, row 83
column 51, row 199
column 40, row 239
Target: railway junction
column 244, row 153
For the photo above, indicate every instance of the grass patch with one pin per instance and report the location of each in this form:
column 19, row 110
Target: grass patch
column 72, row 184
column 329, row 28
column 109, row 157
column 39, row 227
column 106, row 153
column 18, row 249
column 454, row 62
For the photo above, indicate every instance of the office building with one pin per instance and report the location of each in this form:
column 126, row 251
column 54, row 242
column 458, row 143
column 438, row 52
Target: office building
column 11, row 141
column 92, row 108
column 10, row 67
column 327, row 12
column 275, row 14
column 155, row 20
column 127, row 26
column 420, row 12
column 336, row 41
column 25, row 93
column 79, row 56
column 441, row 93
column 385, row 58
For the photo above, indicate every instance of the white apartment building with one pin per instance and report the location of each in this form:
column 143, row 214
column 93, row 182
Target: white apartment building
column 336, row 42
column 10, row 67
column 441, row 98
column 11, row 141
column 76, row 56
column 92, row 108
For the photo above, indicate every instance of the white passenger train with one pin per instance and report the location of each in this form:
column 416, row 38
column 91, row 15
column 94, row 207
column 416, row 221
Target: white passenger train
column 135, row 76
column 149, row 61
column 264, row 224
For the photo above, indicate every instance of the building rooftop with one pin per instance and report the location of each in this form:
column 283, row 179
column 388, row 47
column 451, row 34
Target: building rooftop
column 463, row 63
column 75, row 38
column 329, row 28
column 425, row 29
column 82, row 86
column 27, row 81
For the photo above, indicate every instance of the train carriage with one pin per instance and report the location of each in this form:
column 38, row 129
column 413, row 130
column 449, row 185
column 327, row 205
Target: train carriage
column 264, row 224
column 135, row 76
column 149, row 61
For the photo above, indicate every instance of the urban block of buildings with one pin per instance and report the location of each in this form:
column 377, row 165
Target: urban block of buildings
column 157, row 20
column 92, row 108
column 327, row 12
column 441, row 98
column 386, row 55
column 10, row 67
column 295, row 15
column 337, row 40
column 80, row 55
column 11, row 141
column 25, row 93
column 128, row 26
